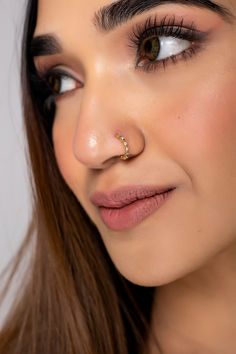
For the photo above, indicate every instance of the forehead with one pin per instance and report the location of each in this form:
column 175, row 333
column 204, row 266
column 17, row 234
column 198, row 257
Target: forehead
column 52, row 14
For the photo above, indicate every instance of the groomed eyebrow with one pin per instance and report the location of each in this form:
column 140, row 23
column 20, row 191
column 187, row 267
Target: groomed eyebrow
column 117, row 13
column 45, row 45
column 109, row 17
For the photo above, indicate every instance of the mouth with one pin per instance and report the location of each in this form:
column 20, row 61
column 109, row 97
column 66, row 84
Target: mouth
column 126, row 208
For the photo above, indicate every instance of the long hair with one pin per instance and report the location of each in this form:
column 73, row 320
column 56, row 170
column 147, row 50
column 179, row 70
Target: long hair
column 73, row 300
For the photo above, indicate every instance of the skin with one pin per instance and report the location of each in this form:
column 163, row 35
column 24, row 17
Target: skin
column 181, row 127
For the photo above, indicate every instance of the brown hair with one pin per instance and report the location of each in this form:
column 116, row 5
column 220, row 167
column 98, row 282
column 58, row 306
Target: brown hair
column 74, row 300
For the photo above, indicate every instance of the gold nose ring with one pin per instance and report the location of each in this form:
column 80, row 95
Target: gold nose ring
column 126, row 146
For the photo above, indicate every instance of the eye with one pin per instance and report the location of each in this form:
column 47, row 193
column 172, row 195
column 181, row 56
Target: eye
column 159, row 48
column 159, row 42
column 60, row 82
column 48, row 84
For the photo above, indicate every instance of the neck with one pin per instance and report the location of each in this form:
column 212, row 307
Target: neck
column 196, row 314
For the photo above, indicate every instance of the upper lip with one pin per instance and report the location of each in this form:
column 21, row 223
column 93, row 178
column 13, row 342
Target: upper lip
column 126, row 195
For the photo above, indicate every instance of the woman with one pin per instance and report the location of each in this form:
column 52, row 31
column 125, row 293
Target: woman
column 130, row 114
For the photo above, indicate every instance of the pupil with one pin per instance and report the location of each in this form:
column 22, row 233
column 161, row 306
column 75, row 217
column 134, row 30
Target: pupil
column 151, row 47
column 54, row 83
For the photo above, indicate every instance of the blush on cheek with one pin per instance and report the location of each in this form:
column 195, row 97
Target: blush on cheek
column 219, row 129
column 212, row 119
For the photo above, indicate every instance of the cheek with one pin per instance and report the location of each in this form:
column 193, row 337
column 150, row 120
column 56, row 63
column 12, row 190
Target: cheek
column 210, row 135
column 199, row 129
column 203, row 142
column 63, row 147
column 73, row 172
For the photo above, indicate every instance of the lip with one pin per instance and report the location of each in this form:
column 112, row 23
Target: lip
column 126, row 195
column 126, row 207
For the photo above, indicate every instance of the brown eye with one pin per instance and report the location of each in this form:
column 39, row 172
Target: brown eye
column 150, row 48
column 54, row 82
column 61, row 83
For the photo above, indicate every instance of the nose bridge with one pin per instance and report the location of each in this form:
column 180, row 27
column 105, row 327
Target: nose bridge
column 94, row 123
column 101, row 116
column 101, row 90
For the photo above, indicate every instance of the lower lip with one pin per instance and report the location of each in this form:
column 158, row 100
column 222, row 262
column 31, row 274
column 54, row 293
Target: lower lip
column 131, row 215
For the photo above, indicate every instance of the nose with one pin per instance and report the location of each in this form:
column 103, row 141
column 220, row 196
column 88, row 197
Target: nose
column 105, row 132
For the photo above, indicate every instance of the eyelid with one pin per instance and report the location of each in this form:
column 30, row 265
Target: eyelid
column 151, row 23
column 60, row 72
column 44, row 71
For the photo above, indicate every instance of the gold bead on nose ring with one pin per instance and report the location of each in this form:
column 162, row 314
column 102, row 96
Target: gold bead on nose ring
column 126, row 146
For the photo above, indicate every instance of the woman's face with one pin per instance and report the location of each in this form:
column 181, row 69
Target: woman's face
column 178, row 117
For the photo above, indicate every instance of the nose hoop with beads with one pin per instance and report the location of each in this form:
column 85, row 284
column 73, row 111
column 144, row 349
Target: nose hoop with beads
column 125, row 156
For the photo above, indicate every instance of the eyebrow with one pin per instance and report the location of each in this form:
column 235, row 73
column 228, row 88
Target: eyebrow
column 119, row 12
column 45, row 45
column 111, row 16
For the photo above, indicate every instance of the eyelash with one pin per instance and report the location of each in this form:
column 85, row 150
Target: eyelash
column 167, row 27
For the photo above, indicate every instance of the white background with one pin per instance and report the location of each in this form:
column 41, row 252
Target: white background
column 15, row 210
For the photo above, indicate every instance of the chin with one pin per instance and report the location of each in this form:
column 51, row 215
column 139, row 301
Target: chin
column 152, row 274
column 152, row 277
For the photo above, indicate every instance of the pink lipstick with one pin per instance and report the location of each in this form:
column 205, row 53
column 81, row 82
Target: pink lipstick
column 126, row 207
